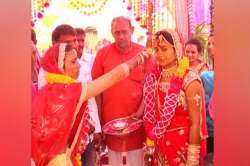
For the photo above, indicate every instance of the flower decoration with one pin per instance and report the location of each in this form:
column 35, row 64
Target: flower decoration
column 149, row 142
column 78, row 159
column 59, row 78
column 182, row 67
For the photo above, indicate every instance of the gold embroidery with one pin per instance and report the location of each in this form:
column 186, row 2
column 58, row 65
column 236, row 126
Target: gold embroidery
column 182, row 99
column 168, row 73
column 177, row 160
column 181, row 132
column 197, row 98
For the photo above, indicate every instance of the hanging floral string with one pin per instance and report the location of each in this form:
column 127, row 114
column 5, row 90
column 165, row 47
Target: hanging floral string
column 87, row 7
column 149, row 14
column 191, row 16
column 142, row 11
column 154, row 15
column 212, row 16
column 38, row 10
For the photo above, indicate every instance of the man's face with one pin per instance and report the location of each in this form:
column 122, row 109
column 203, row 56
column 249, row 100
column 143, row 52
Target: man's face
column 80, row 40
column 69, row 39
column 122, row 33
column 211, row 46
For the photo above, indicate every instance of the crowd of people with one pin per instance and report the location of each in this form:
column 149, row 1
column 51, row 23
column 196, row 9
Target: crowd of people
column 166, row 86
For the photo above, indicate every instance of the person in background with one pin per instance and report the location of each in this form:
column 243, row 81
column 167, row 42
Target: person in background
column 193, row 50
column 91, row 40
column 211, row 50
column 208, row 83
column 123, row 99
column 207, row 78
column 86, row 61
column 35, row 63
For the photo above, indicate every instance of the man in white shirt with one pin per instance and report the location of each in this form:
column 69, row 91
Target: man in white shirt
column 63, row 33
column 86, row 62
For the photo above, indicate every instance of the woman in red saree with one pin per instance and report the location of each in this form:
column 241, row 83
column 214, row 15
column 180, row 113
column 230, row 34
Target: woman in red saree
column 60, row 118
column 174, row 115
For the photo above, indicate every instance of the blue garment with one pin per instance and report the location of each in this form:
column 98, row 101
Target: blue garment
column 88, row 158
column 207, row 78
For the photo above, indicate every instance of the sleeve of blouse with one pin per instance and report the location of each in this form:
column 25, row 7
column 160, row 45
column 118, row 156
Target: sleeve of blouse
column 194, row 104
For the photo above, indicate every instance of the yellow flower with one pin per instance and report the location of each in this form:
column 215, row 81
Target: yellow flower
column 78, row 159
column 182, row 67
column 59, row 78
column 150, row 142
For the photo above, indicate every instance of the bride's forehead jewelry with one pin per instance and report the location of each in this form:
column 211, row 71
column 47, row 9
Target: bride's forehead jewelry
column 160, row 40
column 168, row 72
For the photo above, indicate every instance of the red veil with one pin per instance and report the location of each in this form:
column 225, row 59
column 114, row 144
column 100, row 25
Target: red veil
column 55, row 119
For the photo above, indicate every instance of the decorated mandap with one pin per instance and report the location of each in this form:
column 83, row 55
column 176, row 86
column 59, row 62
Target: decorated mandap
column 148, row 16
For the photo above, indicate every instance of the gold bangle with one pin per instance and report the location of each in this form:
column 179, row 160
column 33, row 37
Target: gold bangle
column 193, row 155
column 192, row 163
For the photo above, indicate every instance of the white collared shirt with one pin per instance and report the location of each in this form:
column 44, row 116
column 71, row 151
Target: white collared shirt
column 86, row 63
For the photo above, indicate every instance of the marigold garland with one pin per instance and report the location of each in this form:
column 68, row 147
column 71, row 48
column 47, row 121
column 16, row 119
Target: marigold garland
column 182, row 67
column 78, row 159
column 87, row 7
column 149, row 142
column 52, row 78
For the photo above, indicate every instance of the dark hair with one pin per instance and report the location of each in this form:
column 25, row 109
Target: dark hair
column 63, row 29
column 195, row 42
column 79, row 31
column 166, row 35
column 33, row 36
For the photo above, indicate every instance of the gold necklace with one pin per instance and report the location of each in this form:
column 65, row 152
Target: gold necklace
column 164, row 86
column 168, row 73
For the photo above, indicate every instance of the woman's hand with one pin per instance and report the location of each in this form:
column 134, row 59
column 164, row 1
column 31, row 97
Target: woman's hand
column 99, row 143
